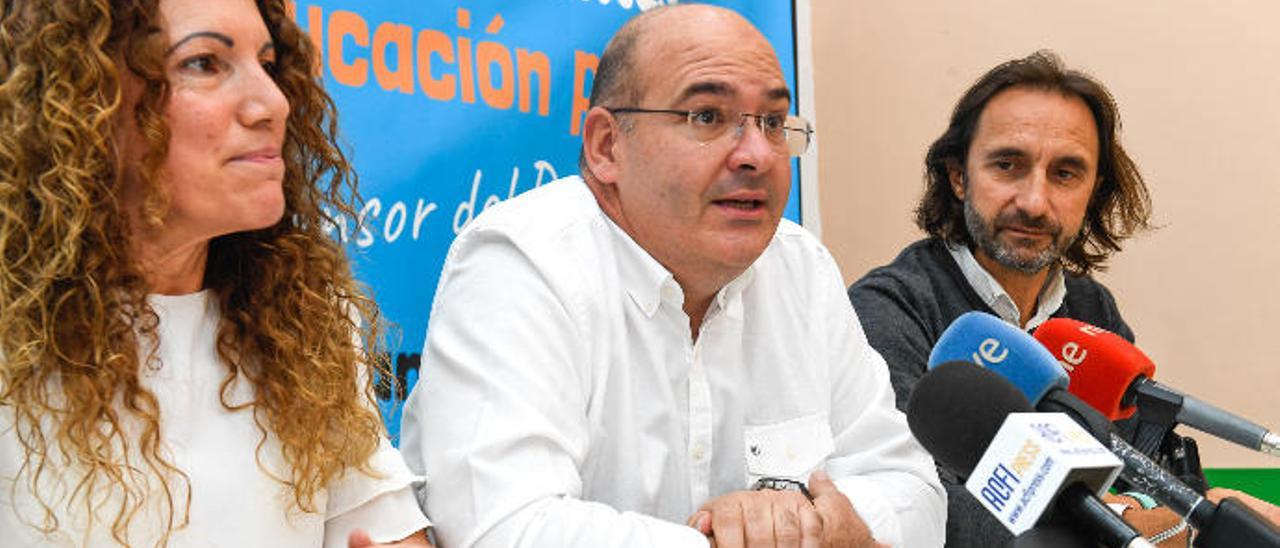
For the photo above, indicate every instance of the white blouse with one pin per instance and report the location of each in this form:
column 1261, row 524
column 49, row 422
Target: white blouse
column 235, row 498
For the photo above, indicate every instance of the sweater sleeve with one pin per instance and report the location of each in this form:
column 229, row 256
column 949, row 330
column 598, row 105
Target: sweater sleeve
column 894, row 327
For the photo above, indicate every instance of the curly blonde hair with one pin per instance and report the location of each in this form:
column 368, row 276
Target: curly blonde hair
column 73, row 302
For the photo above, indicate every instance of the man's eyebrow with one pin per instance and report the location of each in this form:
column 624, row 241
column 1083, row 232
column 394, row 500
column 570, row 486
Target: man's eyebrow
column 1070, row 160
column 725, row 90
column 781, row 93
column 1005, row 152
column 706, row 88
column 226, row 40
column 1073, row 161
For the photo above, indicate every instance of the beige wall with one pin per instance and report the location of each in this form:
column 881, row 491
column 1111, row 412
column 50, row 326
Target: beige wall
column 1198, row 83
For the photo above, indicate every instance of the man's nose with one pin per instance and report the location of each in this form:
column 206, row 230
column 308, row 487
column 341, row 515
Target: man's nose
column 752, row 149
column 1033, row 195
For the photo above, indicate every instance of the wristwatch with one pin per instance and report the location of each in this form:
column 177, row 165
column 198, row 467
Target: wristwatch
column 782, row 484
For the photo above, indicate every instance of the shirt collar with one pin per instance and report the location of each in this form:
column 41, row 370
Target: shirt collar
column 729, row 298
column 649, row 284
column 994, row 295
column 645, row 279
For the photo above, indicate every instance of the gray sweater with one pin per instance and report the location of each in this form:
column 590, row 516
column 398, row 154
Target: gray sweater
column 906, row 305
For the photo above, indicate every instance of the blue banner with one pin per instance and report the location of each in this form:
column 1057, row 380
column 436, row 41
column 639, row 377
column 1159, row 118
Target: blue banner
column 448, row 107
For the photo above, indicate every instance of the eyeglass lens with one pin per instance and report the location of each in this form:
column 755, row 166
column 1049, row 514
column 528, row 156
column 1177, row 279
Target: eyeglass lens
column 789, row 135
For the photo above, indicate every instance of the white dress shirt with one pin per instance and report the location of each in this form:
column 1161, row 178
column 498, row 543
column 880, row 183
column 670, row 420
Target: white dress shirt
column 565, row 403
column 235, row 501
column 992, row 293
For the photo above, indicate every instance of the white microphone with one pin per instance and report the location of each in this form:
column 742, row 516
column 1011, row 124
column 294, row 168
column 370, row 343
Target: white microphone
column 1032, row 460
column 1025, row 468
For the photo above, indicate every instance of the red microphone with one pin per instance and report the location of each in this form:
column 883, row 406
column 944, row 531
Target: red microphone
column 1101, row 364
column 1109, row 373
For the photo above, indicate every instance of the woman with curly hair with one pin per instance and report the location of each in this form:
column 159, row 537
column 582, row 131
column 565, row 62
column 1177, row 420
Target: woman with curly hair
column 182, row 356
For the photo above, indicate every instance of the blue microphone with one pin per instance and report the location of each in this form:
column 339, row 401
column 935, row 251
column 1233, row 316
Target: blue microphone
column 988, row 341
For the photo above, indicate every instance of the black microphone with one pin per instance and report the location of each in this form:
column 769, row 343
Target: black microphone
column 961, row 414
column 1229, row 524
column 1034, row 377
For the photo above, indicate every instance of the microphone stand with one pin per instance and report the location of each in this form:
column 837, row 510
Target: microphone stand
column 1154, row 436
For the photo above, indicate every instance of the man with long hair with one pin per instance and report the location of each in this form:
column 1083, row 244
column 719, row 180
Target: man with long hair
column 1027, row 192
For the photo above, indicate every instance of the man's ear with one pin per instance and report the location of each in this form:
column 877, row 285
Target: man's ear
column 600, row 134
column 955, row 174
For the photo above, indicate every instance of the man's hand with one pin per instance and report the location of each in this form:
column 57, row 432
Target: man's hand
column 764, row 519
column 841, row 525
column 1151, row 521
column 760, row 519
column 1268, row 510
column 360, row 539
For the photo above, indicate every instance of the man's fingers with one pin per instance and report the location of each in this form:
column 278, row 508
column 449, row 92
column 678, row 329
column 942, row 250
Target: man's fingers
column 786, row 527
column 841, row 524
column 757, row 514
column 701, row 520
column 1216, row 494
column 826, row 498
column 820, row 485
column 359, row 539
column 727, row 526
column 766, row 519
column 810, row 528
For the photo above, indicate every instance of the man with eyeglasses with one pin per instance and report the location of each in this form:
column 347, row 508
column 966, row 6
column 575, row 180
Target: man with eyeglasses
column 648, row 355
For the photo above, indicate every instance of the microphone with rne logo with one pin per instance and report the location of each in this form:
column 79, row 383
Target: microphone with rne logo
column 1025, row 468
column 1114, row 377
column 982, row 339
column 1227, row 524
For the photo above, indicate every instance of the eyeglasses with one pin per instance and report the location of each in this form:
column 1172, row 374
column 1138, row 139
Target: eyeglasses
column 788, row 134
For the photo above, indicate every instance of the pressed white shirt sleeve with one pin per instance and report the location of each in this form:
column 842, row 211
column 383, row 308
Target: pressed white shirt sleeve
column 499, row 419
column 877, row 464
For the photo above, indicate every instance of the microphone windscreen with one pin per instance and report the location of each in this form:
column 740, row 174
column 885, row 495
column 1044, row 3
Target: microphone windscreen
column 986, row 340
column 956, row 409
column 1102, row 365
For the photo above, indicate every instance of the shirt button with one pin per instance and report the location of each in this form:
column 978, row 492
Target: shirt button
column 698, row 451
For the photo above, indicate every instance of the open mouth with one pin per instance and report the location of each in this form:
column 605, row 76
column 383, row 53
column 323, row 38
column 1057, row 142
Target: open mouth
column 744, row 205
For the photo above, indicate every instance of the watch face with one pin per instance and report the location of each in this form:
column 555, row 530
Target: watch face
column 782, row 484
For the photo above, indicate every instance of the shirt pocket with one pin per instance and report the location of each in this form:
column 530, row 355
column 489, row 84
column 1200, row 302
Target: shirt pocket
column 791, row 449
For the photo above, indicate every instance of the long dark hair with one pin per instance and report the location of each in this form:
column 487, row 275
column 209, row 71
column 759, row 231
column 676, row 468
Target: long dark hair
column 1120, row 205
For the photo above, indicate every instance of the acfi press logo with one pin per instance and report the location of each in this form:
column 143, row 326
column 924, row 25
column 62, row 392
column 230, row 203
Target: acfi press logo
column 1003, row 479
